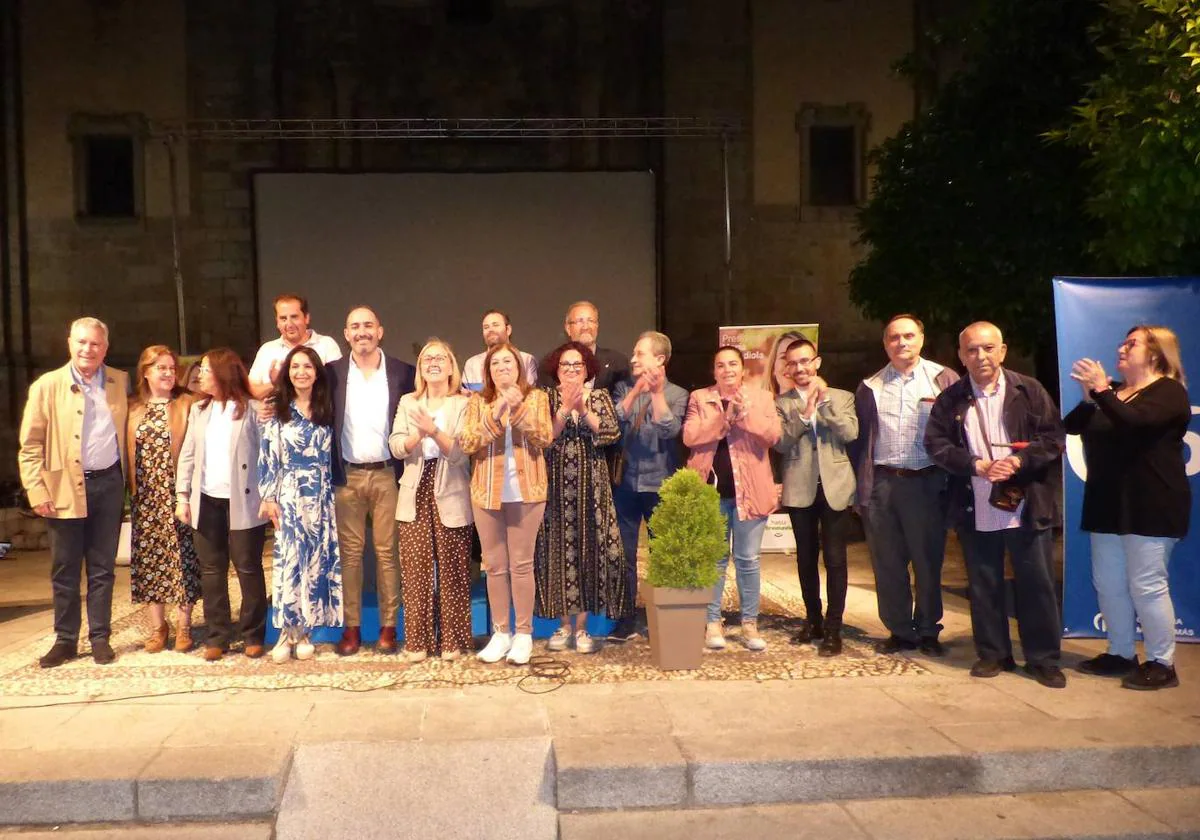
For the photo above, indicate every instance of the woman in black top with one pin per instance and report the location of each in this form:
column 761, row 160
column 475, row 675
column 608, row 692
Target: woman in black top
column 1136, row 498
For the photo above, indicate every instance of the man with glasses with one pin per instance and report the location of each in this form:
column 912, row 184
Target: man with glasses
column 582, row 324
column 367, row 386
column 818, row 488
column 72, row 448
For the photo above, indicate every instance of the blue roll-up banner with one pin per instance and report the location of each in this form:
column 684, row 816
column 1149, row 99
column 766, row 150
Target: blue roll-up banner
column 1092, row 317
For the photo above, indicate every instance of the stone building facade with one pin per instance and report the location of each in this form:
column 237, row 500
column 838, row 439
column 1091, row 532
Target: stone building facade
column 74, row 69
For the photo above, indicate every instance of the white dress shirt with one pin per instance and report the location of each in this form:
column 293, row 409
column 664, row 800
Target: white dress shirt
column 365, row 422
column 903, row 406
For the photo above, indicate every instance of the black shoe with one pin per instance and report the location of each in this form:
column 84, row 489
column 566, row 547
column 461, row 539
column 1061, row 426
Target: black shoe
column 831, row 644
column 1108, row 665
column 930, row 646
column 986, row 668
column 1151, row 676
column 60, row 653
column 1047, row 674
column 894, row 644
column 102, row 652
column 625, row 630
column 812, row 630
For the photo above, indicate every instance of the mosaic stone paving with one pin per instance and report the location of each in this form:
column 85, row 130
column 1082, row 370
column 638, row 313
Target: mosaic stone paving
column 137, row 672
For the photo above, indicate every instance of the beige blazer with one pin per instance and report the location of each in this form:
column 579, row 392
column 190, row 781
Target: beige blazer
column 451, row 478
column 244, row 500
column 178, row 409
column 817, row 452
column 50, row 457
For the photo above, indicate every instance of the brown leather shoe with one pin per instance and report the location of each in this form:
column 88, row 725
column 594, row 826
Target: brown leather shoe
column 183, row 640
column 350, row 643
column 254, row 651
column 157, row 640
column 387, row 640
column 212, row 654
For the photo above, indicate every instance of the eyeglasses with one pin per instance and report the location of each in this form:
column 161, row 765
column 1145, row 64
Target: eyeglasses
column 164, row 368
column 571, row 365
column 439, row 359
column 583, row 322
column 204, row 369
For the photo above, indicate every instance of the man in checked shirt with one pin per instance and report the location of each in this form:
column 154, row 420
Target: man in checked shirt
column 900, row 489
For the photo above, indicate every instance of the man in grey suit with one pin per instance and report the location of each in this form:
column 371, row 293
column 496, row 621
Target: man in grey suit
column 818, row 488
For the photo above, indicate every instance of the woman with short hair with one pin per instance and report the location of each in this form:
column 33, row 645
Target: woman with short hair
column 433, row 509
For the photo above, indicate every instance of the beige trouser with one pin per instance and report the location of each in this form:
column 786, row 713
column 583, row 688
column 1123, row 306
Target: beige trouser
column 368, row 493
column 508, row 537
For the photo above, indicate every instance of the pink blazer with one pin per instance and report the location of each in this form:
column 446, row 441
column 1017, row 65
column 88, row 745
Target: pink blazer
column 750, row 439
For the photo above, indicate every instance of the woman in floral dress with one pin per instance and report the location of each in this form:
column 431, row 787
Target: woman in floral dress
column 163, row 568
column 296, row 486
column 580, row 562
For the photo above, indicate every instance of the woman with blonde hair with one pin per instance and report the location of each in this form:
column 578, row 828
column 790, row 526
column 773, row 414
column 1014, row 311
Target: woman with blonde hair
column 433, row 509
column 506, row 432
column 163, row 568
column 1136, row 500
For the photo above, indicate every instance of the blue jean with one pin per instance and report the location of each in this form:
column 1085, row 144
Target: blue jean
column 746, row 537
column 632, row 507
column 1130, row 576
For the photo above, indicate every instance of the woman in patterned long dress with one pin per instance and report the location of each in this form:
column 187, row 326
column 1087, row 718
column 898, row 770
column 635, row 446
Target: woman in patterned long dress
column 580, row 562
column 296, row 486
column 163, row 568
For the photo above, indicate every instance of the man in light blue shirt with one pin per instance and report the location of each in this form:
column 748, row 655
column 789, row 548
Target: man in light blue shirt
column 650, row 409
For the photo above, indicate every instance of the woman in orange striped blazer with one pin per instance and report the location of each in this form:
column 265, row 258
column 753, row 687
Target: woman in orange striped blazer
column 506, row 430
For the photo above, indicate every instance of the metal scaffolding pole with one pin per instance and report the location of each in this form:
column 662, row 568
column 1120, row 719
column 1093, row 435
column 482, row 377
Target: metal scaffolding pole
column 171, row 132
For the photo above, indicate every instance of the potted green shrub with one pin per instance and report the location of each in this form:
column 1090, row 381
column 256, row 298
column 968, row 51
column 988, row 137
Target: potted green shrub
column 687, row 539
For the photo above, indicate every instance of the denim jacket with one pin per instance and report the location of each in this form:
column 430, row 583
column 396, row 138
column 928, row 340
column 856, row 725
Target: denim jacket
column 652, row 453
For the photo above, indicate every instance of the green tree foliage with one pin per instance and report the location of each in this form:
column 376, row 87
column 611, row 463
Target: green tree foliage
column 688, row 534
column 1139, row 123
column 973, row 209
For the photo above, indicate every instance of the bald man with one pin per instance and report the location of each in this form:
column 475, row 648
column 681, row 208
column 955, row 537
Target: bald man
column 367, row 386
column 998, row 434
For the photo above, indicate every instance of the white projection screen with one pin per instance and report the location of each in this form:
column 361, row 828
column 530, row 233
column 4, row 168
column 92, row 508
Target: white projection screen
column 430, row 252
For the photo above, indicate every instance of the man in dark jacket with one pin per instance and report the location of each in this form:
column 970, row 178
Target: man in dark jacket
column 367, row 385
column 998, row 434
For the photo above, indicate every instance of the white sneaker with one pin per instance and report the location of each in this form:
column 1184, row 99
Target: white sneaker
column 282, row 651
column 496, row 647
column 305, row 649
column 584, row 642
column 751, row 637
column 412, row 657
column 521, row 650
column 560, row 639
column 714, row 636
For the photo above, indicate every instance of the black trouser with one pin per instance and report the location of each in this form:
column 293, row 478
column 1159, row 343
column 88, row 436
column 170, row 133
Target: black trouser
column 1038, row 620
column 906, row 526
column 89, row 542
column 832, row 541
column 216, row 545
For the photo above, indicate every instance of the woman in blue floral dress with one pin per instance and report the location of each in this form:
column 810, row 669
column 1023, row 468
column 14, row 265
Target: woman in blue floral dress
column 296, row 486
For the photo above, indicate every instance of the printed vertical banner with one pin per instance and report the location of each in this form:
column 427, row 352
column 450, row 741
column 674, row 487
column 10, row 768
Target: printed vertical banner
column 762, row 349
column 1092, row 316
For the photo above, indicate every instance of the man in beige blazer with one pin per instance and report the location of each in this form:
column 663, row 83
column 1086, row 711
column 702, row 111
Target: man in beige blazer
column 818, row 488
column 71, row 456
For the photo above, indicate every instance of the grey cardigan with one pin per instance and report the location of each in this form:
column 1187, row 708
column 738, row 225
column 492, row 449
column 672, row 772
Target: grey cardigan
column 244, row 500
column 812, row 452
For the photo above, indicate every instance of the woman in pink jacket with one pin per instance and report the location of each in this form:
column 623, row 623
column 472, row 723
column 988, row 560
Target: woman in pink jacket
column 730, row 430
